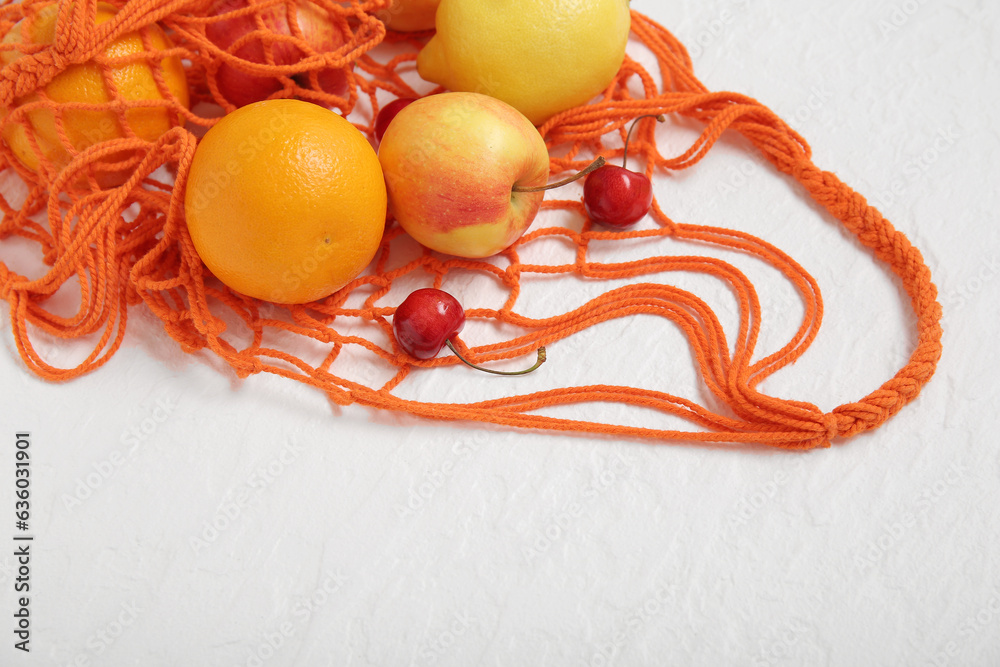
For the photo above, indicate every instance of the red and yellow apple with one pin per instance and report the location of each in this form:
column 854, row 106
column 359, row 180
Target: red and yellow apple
column 410, row 15
column 455, row 167
column 315, row 26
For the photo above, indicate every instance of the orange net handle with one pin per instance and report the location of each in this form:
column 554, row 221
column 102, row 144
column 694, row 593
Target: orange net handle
column 121, row 260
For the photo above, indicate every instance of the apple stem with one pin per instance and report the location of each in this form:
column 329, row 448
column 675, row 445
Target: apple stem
column 659, row 119
column 538, row 362
column 596, row 164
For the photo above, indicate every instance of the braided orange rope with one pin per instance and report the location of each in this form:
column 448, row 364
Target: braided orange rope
column 129, row 244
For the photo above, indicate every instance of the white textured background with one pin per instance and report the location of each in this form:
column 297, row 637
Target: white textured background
column 185, row 518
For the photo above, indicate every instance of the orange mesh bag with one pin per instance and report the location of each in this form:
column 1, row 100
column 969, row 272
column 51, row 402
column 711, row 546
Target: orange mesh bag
column 105, row 176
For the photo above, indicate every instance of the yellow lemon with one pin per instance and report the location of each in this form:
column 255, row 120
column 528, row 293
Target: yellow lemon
column 539, row 56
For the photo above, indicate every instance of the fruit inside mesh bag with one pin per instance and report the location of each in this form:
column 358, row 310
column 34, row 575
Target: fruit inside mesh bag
column 129, row 90
column 274, row 50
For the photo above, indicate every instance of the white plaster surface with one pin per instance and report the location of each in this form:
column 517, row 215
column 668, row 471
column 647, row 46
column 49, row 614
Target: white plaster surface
column 182, row 517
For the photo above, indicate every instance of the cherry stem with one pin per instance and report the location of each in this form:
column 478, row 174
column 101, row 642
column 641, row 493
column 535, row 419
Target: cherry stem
column 659, row 119
column 596, row 164
column 538, row 362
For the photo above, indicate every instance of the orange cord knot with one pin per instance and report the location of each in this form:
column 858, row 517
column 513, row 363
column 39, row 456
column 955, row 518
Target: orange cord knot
column 7, row 280
column 832, row 426
column 339, row 396
column 245, row 366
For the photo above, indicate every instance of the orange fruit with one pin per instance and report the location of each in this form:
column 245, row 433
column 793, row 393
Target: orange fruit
column 285, row 201
column 85, row 83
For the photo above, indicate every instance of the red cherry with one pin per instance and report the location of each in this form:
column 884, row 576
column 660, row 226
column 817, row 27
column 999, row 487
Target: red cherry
column 427, row 320
column 616, row 196
column 387, row 113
